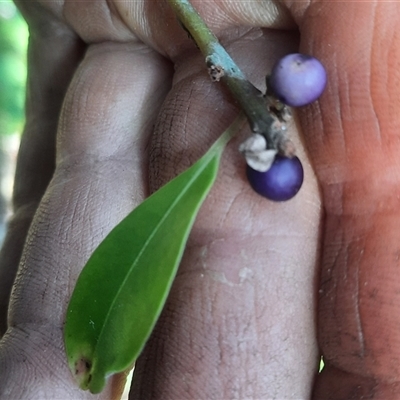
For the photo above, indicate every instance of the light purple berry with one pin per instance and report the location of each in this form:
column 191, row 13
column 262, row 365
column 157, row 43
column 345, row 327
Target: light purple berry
column 297, row 79
column 281, row 182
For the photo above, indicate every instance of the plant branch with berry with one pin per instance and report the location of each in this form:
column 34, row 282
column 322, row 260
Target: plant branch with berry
column 273, row 169
column 101, row 341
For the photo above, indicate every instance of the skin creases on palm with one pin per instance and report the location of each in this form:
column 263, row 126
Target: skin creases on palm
column 153, row 22
column 240, row 320
column 228, row 283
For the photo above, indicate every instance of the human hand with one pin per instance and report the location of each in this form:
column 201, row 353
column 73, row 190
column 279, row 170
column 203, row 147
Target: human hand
column 241, row 318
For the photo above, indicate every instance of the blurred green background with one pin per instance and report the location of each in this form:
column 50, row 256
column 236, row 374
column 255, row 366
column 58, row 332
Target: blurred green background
column 13, row 48
column 13, row 44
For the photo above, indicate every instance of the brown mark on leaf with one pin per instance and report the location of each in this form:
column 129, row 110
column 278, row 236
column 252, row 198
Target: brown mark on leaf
column 82, row 367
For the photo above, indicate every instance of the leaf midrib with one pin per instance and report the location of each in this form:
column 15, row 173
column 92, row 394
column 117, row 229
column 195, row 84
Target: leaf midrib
column 147, row 242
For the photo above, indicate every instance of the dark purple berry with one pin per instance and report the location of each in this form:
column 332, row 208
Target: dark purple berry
column 297, row 79
column 281, row 182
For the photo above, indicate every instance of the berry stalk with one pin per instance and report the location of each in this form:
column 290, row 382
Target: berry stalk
column 222, row 67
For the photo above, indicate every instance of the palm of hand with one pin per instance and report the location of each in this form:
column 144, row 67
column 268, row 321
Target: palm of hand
column 241, row 313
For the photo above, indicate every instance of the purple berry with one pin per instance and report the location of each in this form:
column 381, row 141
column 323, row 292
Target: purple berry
column 297, row 79
column 281, row 182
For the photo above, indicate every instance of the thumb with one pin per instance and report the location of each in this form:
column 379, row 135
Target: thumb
column 351, row 134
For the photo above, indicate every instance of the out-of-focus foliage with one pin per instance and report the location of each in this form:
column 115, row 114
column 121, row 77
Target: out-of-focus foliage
column 13, row 44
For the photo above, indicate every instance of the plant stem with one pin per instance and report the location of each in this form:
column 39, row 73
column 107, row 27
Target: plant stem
column 251, row 100
column 230, row 132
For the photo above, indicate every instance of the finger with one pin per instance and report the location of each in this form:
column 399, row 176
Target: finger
column 155, row 23
column 53, row 57
column 353, row 141
column 106, row 118
column 239, row 321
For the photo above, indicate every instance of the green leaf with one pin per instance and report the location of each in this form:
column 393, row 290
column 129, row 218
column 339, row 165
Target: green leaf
column 124, row 285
